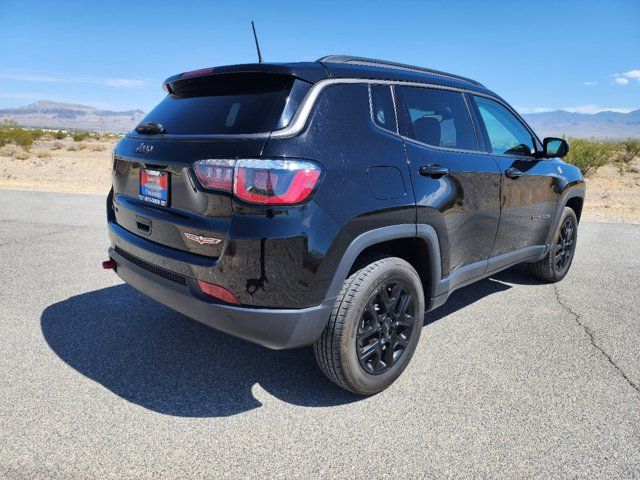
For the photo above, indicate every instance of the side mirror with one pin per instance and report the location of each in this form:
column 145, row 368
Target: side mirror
column 554, row 147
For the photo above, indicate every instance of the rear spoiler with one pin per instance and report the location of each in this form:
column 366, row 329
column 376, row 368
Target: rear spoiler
column 311, row 72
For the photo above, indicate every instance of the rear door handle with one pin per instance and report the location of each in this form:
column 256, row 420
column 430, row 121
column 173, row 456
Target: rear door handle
column 513, row 172
column 433, row 170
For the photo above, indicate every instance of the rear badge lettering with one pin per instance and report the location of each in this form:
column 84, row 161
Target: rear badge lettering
column 545, row 216
column 202, row 240
column 144, row 149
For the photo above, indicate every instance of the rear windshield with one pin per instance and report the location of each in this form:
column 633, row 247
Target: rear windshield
column 240, row 103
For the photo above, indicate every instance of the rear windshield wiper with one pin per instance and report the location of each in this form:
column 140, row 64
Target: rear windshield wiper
column 150, row 128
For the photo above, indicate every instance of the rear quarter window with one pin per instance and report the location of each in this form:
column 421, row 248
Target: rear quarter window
column 244, row 103
column 382, row 110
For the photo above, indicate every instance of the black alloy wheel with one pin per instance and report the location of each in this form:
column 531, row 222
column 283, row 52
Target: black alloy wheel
column 385, row 327
column 555, row 265
column 565, row 245
column 374, row 327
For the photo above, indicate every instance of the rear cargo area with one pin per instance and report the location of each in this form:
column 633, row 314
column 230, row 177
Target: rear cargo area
column 157, row 196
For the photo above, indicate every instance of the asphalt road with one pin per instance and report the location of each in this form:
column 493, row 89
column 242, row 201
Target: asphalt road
column 512, row 378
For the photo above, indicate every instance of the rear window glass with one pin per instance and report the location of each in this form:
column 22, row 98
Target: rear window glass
column 229, row 104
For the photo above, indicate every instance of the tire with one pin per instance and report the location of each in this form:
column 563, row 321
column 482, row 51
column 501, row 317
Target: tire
column 368, row 340
column 550, row 269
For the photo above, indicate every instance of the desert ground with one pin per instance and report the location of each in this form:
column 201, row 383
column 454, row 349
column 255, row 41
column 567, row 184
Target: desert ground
column 58, row 166
column 613, row 194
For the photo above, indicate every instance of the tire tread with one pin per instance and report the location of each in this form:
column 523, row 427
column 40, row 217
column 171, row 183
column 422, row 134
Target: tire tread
column 545, row 269
column 327, row 348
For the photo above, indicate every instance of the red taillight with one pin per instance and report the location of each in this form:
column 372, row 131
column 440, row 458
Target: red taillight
column 215, row 174
column 275, row 182
column 265, row 182
column 218, row 292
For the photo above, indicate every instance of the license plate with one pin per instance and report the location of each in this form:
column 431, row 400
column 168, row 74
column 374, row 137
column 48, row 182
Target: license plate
column 154, row 186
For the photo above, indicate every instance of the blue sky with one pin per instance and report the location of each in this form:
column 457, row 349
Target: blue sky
column 539, row 55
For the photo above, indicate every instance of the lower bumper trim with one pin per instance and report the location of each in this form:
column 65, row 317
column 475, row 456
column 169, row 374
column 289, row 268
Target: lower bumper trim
column 272, row 328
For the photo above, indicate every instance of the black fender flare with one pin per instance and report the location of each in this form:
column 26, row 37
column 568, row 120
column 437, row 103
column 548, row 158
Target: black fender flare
column 568, row 194
column 379, row 235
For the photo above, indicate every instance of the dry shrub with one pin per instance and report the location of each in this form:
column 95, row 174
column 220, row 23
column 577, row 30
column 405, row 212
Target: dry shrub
column 97, row 147
column 589, row 155
column 9, row 150
column 21, row 154
column 43, row 154
column 82, row 146
column 57, row 146
column 17, row 135
column 630, row 150
column 80, row 136
column 72, row 147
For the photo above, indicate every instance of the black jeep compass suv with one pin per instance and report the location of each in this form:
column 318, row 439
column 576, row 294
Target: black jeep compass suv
column 333, row 203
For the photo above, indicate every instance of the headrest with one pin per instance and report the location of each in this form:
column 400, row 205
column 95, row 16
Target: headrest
column 427, row 130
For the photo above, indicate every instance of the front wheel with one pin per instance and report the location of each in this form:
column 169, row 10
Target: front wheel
column 374, row 327
column 555, row 265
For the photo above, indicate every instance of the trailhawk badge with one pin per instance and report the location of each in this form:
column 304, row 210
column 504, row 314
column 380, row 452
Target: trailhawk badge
column 202, row 240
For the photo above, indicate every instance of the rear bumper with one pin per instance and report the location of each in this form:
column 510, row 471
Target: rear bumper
column 272, row 328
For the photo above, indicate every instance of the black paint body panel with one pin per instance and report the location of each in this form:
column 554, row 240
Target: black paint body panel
column 463, row 206
column 472, row 220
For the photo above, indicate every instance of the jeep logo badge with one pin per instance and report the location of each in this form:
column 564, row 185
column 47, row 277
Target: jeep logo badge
column 202, row 240
column 144, row 149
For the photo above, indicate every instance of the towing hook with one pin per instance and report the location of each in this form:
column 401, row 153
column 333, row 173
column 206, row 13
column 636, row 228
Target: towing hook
column 109, row 264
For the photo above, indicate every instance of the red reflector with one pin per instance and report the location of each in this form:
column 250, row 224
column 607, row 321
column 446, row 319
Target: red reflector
column 216, row 291
column 109, row 264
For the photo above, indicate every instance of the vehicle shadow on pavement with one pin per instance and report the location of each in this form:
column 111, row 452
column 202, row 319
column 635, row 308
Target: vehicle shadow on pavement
column 163, row 361
column 166, row 362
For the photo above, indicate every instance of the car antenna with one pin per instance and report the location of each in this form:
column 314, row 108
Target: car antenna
column 255, row 37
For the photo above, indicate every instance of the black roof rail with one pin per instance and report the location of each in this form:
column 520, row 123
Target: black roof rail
column 386, row 64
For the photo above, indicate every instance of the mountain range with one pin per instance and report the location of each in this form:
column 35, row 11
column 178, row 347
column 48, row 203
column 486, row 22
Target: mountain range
column 67, row 116
column 610, row 125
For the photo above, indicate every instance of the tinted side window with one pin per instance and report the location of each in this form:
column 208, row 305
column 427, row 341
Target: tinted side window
column 438, row 117
column 507, row 135
column 382, row 107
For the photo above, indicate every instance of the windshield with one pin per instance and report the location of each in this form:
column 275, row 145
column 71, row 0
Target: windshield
column 240, row 103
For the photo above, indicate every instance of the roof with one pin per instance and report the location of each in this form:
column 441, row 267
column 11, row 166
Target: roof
column 344, row 66
column 371, row 62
